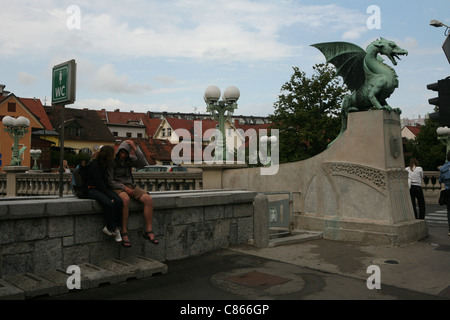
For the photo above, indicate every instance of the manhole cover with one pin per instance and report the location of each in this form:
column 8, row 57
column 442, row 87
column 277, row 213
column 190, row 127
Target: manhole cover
column 258, row 280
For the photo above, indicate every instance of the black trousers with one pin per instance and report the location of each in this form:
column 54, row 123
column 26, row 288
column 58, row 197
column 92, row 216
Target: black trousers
column 416, row 192
column 112, row 205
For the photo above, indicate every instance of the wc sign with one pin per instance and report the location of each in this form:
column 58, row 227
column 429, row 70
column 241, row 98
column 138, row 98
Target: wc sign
column 64, row 83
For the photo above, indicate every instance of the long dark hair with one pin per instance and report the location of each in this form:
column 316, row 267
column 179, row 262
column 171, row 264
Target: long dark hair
column 105, row 156
column 413, row 163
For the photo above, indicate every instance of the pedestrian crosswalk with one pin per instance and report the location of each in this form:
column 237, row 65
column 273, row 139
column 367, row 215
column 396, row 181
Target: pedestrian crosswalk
column 438, row 217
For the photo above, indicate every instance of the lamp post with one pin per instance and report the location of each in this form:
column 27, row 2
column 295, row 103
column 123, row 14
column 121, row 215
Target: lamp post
column 221, row 111
column 17, row 128
column 446, row 44
column 35, row 155
column 444, row 137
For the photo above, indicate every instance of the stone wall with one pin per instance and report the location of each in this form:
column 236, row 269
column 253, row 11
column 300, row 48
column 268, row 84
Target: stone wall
column 39, row 234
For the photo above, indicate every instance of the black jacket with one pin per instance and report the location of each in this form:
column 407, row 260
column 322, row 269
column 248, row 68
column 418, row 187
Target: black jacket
column 96, row 176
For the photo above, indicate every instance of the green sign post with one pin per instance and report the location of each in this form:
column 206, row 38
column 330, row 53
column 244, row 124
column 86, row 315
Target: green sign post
column 63, row 92
column 64, row 83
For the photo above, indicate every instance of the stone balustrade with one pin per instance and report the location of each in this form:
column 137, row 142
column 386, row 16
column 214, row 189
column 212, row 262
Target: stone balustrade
column 47, row 184
column 431, row 186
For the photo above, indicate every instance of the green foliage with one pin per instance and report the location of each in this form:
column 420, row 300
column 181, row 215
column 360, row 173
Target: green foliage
column 428, row 150
column 307, row 113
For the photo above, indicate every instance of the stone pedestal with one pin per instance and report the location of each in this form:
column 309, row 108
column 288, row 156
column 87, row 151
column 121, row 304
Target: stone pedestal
column 359, row 191
column 356, row 190
column 11, row 178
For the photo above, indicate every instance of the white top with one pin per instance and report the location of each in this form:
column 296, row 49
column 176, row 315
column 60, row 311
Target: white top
column 415, row 175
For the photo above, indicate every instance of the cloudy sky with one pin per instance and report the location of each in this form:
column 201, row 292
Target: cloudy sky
column 161, row 55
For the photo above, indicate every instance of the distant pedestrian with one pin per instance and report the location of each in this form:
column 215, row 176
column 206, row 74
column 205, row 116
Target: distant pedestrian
column 415, row 177
column 66, row 167
column 444, row 177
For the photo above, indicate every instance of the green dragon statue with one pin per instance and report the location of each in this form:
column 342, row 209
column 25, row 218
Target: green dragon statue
column 370, row 80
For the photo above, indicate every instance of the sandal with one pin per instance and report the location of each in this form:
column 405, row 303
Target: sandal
column 125, row 243
column 146, row 235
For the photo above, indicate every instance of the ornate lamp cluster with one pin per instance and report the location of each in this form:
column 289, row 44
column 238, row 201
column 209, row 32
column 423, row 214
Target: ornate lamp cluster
column 35, row 155
column 221, row 111
column 17, row 128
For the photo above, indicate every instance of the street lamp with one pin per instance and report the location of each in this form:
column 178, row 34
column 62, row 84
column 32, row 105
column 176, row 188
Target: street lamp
column 35, row 155
column 444, row 137
column 221, row 111
column 17, row 128
column 438, row 24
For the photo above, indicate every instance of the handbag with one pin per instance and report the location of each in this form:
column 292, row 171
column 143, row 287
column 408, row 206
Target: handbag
column 443, row 197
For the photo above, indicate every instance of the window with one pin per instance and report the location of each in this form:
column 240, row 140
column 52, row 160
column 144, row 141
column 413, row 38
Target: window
column 139, row 135
column 74, row 131
column 11, row 107
column 128, row 134
column 86, row 151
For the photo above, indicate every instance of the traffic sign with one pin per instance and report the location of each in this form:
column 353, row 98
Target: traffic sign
column 64, row 83
column 446, row 48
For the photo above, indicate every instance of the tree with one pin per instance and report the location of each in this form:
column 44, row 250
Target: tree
column 307, row 113
column 426, row 147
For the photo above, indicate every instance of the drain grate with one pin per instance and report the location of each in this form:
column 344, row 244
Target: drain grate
column 258, row 280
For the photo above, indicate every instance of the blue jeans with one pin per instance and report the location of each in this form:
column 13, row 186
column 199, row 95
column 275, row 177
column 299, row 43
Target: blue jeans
column 112, row 206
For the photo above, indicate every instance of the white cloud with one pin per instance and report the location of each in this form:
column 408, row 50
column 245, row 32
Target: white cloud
column 166, row 80
column 97, row 104
column 106, row 79
column 27, row 79
column 354, row 34
column 230, row 30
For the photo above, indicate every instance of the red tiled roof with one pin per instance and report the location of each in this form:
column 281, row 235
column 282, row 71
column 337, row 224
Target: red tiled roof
column 153, row 149
column 36, row 107
column 151, row 125
column 414, row 129
column 189, row 125
column 120, row 117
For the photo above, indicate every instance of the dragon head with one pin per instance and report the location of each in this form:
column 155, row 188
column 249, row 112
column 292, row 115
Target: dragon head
column 389, row 49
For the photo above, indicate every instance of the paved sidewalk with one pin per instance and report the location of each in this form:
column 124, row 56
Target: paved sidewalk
column 311, row 270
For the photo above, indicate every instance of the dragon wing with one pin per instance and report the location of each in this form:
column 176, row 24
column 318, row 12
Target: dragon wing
column 348, row 59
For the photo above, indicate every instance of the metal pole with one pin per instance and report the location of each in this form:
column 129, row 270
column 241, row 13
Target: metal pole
column 61, row 153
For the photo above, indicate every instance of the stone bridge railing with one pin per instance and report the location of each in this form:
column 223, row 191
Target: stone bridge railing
column 431, row 186
column 47, row 184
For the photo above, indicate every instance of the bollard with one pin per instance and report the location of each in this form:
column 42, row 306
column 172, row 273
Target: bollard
column 261, row 221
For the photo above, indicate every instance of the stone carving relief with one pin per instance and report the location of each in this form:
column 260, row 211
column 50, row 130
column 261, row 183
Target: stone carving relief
column 373, row 177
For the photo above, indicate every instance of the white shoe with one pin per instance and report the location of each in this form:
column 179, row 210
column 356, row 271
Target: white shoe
column 106, row 231
column 118, row 238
